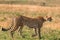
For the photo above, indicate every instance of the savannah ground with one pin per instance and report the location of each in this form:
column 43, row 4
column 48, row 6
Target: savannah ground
column 49, row 31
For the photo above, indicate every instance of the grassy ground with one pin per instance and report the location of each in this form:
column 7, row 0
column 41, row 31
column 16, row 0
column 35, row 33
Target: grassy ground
column 46, row 34
column 49, row 31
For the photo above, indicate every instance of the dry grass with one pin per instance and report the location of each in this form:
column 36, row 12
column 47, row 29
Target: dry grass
column 49, row 28
column 32, row 11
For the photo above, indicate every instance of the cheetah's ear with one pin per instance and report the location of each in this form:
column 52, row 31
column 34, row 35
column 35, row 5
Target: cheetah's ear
column 45, row 17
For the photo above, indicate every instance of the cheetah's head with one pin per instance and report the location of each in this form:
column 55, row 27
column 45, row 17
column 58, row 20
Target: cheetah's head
column 49, row 18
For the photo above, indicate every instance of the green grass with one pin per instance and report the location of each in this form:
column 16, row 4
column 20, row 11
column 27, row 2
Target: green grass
column 46, row 35
column 3, row 19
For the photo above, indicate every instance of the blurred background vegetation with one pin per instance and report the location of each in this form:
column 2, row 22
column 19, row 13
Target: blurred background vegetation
column 32, row 2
